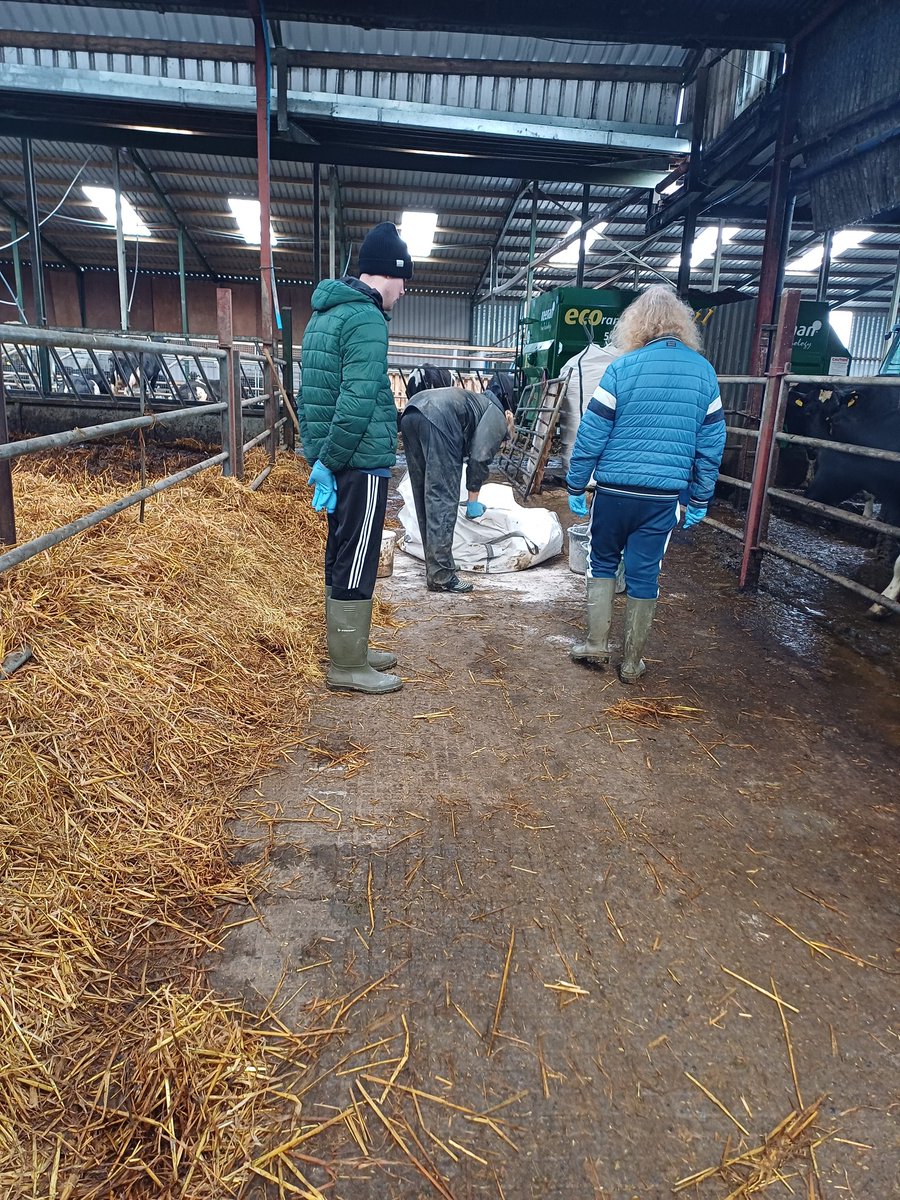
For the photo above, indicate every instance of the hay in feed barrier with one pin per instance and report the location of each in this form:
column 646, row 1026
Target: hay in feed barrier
column 172, row 663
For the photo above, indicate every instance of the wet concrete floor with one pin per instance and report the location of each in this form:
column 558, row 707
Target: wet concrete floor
column 645, row 877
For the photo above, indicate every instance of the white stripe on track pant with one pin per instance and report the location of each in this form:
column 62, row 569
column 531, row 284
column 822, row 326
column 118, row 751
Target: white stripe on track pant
column 354, row 535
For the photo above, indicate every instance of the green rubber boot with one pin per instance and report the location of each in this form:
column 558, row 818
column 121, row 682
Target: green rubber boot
column 638, row 620
column 381, row 660
column 595, row 649
column 348, row 623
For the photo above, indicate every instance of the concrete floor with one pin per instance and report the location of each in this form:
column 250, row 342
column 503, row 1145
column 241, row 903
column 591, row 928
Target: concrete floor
column 640, row 865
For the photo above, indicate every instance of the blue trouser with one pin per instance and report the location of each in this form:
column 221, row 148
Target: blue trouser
column 639, row 526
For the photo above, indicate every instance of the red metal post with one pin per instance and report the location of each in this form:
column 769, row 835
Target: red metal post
column 773, row 407
column 7, row 507
column 776, row 214
column 233, row 417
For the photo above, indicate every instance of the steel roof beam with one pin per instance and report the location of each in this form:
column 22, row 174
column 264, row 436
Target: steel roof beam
column 339, row 61
column 67, row 82
column 524, row 190
column 145, row 170
column 371, row 155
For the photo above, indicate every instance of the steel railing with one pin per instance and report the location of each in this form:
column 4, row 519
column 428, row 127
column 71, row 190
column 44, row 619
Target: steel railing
column 137, row 359
column 753, row 532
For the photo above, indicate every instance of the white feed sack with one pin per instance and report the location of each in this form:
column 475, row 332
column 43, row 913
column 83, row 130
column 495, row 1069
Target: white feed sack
column 507, row 538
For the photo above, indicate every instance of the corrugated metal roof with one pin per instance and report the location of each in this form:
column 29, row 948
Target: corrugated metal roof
column 179, row 26
column 470, row 212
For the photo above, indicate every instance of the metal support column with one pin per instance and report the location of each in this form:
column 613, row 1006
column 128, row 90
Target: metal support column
column 529, row 279
column 582, row 237
column 182, row 283
column 37, row 260
column 776, row 217
column 825, row 268
column 694, row 179
column 784, row 249
column 120, row 245
column 34, row 230
column 7, row 508
column 717, row 257
column 317, row 224
column 82, row 299
column 772, row 416
column 261, row 77
column 17, row 266
column 287, row 372
column 687, row 247
column 332, row 225
column 233, row 416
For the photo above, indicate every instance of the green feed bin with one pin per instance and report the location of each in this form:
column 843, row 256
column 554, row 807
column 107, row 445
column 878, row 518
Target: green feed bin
column 817, row 349
column 556, row 323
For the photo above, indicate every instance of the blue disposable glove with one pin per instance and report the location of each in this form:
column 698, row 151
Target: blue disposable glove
column 694, row 515
column 325, row 494
column 578, row 505
column 475, row 509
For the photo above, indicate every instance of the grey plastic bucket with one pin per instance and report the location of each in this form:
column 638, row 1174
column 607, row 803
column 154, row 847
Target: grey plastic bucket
column 579, row 540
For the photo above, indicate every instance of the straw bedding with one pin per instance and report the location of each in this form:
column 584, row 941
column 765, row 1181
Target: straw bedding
column 173, row 661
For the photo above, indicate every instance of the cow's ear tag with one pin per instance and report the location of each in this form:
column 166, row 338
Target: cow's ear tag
column 799, row 402
column 854, row 396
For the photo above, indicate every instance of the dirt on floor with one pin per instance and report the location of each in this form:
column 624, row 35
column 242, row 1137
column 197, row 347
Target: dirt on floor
column 583, row 950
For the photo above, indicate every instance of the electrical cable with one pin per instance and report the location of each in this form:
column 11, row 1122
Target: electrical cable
column 15, row 299
column 15, row 241
column 44, row 220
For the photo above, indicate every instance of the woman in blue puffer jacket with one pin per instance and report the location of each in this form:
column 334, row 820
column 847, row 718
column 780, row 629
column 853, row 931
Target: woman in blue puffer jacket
column 654, row 429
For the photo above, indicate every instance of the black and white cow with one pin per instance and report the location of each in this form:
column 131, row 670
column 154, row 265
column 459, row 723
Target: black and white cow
column 860, row 416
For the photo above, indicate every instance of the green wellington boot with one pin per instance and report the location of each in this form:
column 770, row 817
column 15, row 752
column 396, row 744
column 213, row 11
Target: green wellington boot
column 638, row 620
column 348, row 623
column 595, row 649
column 381, row 660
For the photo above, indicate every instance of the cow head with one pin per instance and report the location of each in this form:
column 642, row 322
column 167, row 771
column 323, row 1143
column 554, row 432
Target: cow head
column 808, row 410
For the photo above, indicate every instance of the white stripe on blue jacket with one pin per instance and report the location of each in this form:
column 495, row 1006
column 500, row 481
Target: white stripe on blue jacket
column 655, row 422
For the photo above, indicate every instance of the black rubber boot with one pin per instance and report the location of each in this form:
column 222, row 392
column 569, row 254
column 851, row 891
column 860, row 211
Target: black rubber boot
column 348, row 623
column 454, row 584
column 638, row 620
column 381, row 660
column 595, row 649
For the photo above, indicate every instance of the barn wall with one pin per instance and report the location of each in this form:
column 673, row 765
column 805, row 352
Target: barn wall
column 156, row 305
column 867, row 341
column 495, row 323
column 423, row 317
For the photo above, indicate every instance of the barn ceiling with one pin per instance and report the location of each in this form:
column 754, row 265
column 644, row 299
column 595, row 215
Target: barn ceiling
column 465, row 124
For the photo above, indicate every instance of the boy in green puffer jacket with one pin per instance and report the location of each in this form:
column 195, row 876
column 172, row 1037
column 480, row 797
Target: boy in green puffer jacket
column 348, row 423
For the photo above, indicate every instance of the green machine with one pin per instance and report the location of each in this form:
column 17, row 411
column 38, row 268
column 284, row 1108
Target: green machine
column 554, row 329
column 560, row 321
column 817, row 349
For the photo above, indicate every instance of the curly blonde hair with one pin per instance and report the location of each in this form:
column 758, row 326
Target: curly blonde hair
column 655, row 313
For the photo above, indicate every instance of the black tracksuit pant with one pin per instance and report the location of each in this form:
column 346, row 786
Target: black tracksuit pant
column 434, row 458
column 354, row 535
